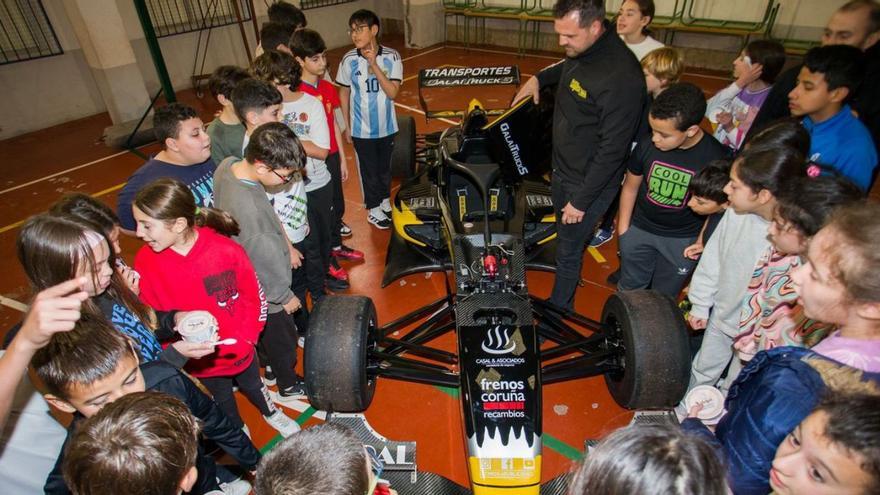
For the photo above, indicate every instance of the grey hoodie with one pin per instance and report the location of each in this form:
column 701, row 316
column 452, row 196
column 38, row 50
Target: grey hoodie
column 720, row 280
column 261, row 233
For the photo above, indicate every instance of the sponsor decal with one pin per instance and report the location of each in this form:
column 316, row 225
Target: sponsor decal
column 468, row 71
column 394, row 460
column 498, row 341
column 503, row 398
column 576, row 88
column 468, row 76
column 514, row 149
column 500, row 362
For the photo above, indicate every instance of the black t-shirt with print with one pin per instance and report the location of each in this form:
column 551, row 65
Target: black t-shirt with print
column 661, row 205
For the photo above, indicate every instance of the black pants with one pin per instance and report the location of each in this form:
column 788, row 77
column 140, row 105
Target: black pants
column 334, row 165
column 278, row 341
column 374, row 164
column 251, row 386
column 317, row 243
column 571, row 241
column 299, row 286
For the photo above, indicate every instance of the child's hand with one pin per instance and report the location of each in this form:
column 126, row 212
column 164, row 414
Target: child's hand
column 193, row 350
column 343, row 167
column 749, row 75
column 696, row 323
column 131, row 278
column 296, row 258
column 369, row 54
column 56, row 309
column 693, row 251
column 292, row 305
column 725, row 120
column 694, row 411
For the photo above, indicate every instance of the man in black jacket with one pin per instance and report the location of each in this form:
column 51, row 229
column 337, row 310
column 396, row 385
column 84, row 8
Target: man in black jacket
column 856, row 23
column 599, row 100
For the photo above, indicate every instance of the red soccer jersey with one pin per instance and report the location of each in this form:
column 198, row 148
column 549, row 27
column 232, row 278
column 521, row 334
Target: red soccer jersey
column 327, row 95
column 215, row 276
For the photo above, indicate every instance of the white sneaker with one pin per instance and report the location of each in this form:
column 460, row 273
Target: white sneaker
column 386, row 206
column 282, row 423
column 378, row 218
column 237, row 487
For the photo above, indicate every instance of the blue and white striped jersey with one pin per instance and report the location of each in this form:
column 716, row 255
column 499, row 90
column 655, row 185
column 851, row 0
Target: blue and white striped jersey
column 372, row 112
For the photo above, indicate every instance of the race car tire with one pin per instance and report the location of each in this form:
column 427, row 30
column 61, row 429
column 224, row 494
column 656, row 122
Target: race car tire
column 403, row 158
column 655, row 356
column 336, row 354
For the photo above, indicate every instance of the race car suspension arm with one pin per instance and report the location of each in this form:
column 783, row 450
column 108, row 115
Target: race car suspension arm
column 422, row 350
column 401, row 368
column 416, row 315
column 590, row 365
column 438, row 324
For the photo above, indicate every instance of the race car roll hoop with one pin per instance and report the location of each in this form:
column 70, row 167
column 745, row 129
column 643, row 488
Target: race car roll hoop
column 481, row 213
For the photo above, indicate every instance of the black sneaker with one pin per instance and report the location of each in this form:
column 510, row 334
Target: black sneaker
column 294, row 392
column 335, row 284
column 345, row 230
column 269, row 376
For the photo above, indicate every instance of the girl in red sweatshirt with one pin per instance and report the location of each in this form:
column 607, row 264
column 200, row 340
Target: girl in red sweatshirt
column 189, row 263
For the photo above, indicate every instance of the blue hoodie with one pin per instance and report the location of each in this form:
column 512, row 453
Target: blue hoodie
column 844, row 143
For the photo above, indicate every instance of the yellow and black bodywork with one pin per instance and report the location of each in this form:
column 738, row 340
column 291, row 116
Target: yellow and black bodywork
column 480, row 211
column 439, row 199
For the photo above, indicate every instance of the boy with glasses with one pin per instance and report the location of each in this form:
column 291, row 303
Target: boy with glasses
column 369, row 77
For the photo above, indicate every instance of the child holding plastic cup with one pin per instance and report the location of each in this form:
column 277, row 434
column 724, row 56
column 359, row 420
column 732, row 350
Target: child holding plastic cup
column 56, row 247
column 189, row 263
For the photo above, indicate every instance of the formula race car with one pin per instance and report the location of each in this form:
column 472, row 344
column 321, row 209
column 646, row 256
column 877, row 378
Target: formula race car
column 479, row 210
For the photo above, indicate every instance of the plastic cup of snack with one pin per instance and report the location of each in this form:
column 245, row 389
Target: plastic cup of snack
column 198, row 326
column 712, row 400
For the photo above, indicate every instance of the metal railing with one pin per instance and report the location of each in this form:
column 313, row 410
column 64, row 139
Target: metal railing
column 314, row 4
column 172, row 17
column 25, row 32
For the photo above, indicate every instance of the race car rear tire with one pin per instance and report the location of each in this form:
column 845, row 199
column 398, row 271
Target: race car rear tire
column 340, row 333
column 403, row 158
column 655, row 355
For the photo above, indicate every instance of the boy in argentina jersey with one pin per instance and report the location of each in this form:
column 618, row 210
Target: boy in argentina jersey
column 369, row 77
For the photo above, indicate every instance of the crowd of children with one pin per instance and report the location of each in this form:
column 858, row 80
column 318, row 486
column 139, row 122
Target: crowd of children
column 242, row 221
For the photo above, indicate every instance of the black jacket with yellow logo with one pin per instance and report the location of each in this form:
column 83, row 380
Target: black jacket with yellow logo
column 599, row 102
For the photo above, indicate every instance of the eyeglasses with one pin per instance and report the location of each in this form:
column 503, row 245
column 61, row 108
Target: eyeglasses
column 358, row 29
column 284, row 178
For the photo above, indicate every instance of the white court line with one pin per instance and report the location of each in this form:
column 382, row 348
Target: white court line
column 418, row 111
column 297, row 405
column 423, row 53
column 527, row 55
column 99, row 160
column 12, row 303
column 505, row 53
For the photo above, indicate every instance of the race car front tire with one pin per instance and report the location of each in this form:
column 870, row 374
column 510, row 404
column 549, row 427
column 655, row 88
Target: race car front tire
column 403, row 158
column 655, row 354
column 340, row 333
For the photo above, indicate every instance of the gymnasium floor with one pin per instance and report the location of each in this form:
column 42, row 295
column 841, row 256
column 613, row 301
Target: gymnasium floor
column 41, row 166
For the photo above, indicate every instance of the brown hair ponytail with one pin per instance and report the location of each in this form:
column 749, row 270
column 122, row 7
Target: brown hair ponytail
column 169, row 199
